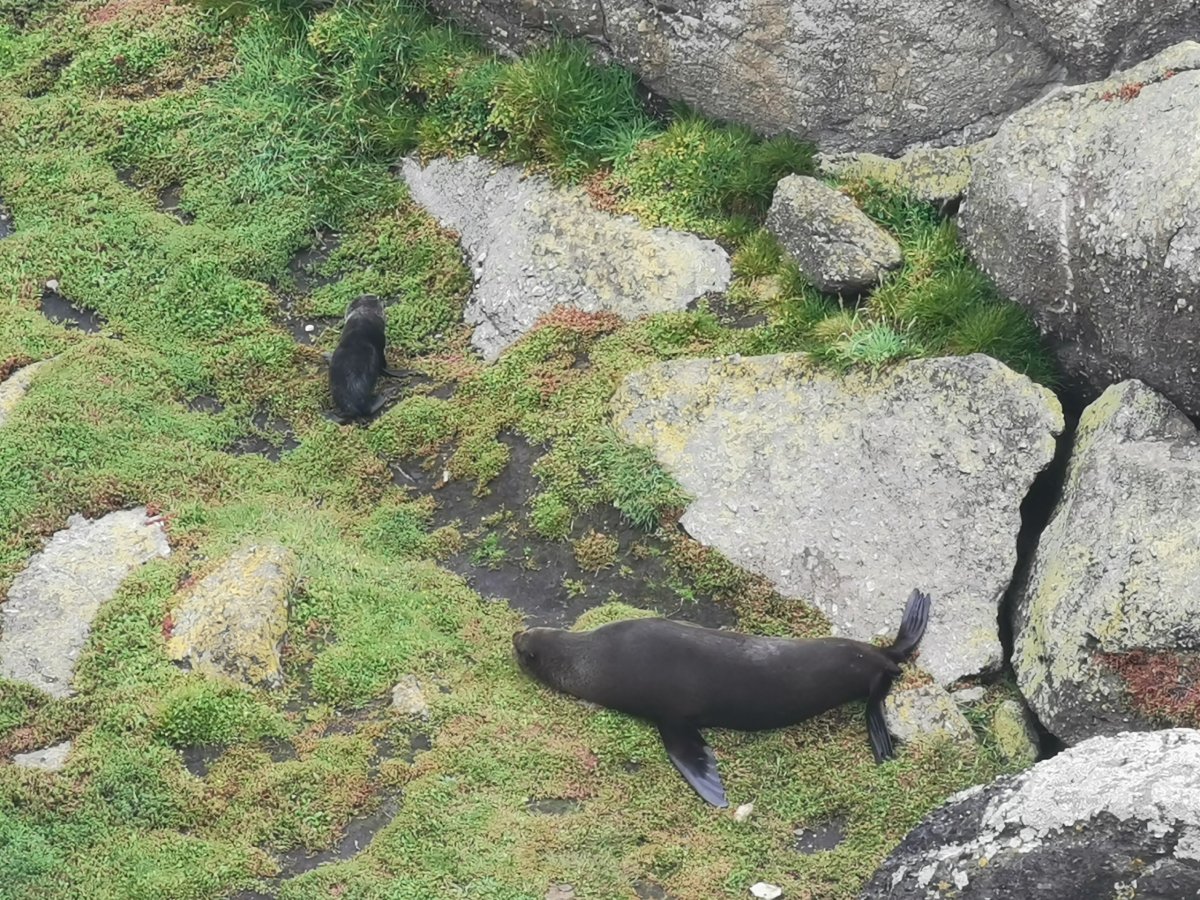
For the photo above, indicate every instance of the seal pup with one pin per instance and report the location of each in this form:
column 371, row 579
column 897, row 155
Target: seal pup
column 359, row 360
column 685, row 677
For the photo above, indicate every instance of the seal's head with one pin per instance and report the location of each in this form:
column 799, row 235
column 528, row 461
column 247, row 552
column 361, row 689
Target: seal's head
column 544, row 654
column 365, row 305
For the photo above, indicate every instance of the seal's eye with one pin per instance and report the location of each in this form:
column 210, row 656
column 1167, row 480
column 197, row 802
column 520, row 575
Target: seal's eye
column 529, row 655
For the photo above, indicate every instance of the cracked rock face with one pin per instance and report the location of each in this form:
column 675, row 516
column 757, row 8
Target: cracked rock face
column 849, row 491
column 47, row 618
column 533, row 246
column 876, row 75
column 1095, row 37
column 1115, row 816
column 232, row 622
column 837, row 247
column 1113, row 592
column 1085, row 208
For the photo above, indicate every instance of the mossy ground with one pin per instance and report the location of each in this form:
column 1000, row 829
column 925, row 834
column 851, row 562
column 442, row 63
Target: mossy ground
column 271, row 128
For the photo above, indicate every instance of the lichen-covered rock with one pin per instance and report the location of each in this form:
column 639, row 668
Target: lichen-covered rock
column 534, row 246
column 1074, row 211
column 49, row 759
column 1112, row 817
column 231, row 623
column 408, row 699
column 925, row 711
column 1095, row 37
column 850, row 491
column 47, row 618
column 13, row 388
column 1014, row 733
column 832, row 241
column 876, row 75
column 1115, row 580
column 932, row 174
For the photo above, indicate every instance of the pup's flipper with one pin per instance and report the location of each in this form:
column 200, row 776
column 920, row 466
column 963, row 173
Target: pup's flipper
column 378, row 402
column 695, row 761
column 397, row 373
column 877, row 730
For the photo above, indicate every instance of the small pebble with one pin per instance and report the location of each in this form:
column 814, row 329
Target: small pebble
column 52, row 285
column 309, row 328
column 742, row 813
column 764, row 891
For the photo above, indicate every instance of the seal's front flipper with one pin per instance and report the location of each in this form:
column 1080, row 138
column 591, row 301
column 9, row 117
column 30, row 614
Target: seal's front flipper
column 877, row 730
column 377, row 403
column 695, row 761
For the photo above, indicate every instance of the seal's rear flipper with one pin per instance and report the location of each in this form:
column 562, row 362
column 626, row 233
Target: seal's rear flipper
column 397, row 373
column 912, row 627
column 877, row 730
column 695, row 761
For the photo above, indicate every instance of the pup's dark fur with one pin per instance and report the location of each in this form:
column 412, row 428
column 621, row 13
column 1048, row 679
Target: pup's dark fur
column 359, row 360
column 685, row 677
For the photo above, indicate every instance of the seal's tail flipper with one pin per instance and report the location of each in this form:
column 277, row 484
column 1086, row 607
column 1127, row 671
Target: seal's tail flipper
column 912, row 627
column 695, row 761
column 877, row 730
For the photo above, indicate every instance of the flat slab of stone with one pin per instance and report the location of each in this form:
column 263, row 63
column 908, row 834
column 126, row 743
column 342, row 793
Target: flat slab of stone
column 848, row 492
column 1116, row 574
column 47, row 618
column 1093, row 821
column 533, row 246
column 13, row 388
column 50, row 759
column 933, row 174
column 230, row 624
column 837, row 247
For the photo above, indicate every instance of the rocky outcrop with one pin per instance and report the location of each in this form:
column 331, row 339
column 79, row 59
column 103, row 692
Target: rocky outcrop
column 533, row 246
column 933, row 174
column 51, row 759
column 878, row 76
column 1086, row 209
column 232, row 622
column 1114, row 588
column 1093, row 38
column 925, row 711
column 1112, row 817
column 47, row 618
column 13, row 388
column 835, row 245
column 849, row 491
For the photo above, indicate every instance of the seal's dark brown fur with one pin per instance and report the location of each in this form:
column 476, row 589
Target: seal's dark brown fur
column 685, row 677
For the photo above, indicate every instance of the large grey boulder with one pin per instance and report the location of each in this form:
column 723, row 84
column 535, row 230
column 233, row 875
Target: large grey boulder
column 1113, row 817
column 231, row 623
column 837, row 247
column 534, row 246
column 1093, row 38
column 47, row 618
column 877, row 75
column 1086, row 209
column 1114, row 586
column 849, row 491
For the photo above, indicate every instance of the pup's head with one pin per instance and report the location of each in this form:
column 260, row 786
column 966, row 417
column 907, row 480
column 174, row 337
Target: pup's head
column 365, row 305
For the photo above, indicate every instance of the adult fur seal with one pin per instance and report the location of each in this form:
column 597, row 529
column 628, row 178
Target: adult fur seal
column 359, row 360
column 685, row 677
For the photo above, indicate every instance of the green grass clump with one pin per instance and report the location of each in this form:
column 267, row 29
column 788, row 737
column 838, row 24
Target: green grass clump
column 202, row 712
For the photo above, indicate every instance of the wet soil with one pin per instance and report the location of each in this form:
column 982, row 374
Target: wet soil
column 541, row 578
column 168, row 202
column 257, row 443
column 303, row 277
column 821, row 837
column 6, row 224
column 55, row 307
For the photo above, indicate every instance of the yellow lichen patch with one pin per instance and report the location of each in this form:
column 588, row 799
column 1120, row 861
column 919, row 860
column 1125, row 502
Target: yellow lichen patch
column 231, row 623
